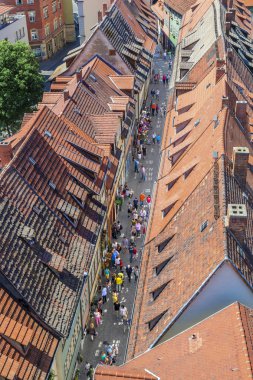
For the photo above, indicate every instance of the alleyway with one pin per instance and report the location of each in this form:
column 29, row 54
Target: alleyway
column 111, row 329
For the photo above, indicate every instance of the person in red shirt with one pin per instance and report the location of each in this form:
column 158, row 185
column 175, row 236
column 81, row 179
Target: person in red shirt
column 148, row 200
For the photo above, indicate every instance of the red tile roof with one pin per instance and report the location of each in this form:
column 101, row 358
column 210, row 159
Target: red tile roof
column 220, row 346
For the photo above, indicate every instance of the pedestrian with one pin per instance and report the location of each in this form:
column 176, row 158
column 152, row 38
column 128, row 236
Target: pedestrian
column 167, row 79
column 153, row 107
column 117, row 308
column 136, row 273
column 100, row 303
column 143, row 173
column 121, row 264
column 129, row 272
column 164, row 55
column 142, row 198
column 164, row 79
column 138, row 229
column 114, row 230
column 131, row 252
column 136, row 166
column 158, row 138
column 157, row 109
column 144, row 227
column 144, row 151
column 153, row 92
column 90, row 373
column 124, row 315
column 119, row 227
column 107, row 273
column 154, row 137
column 97, row 316
column 157, row 94
column 139, row 155
column 125, row 244
column 129, row 209
column 119, row 282
column 92, row 331
column 135, row 202
column 104, row 294
column 114, row 297
column 117, row 262
column 114, row 255
column 134, row 253
column 148, row 200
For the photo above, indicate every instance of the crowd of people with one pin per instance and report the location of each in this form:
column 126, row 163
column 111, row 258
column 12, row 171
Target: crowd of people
column 121, row 261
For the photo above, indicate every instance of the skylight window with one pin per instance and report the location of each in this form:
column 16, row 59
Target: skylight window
column 32, row 161
column 161, row 266
column 203, row 226
column 52, row 185
column 164, row 243
column 48, row 134
column 153, row 322
column 159, row 290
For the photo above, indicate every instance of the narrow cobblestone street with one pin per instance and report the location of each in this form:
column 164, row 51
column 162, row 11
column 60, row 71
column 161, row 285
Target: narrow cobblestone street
column 111, row 329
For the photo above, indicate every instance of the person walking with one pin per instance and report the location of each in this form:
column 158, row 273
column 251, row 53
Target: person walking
column 164, row 55
column 129, row 272
column 117, row 308
column 136, row 273
column 157, row 108
column 135, row 202
column 97, row 316
column 143, row 173
column 158, row 139
column 125, row 244
column 118, row 282
column 124, row 316
column 142, row 198
column 114, row 297
column 154, row 137
column 139, row 155
column 167, row 79
column 107, row 273
column 90, row 373
column 157, row 94
column 149, row 200
column 153, row 107
column 131, row 252
column 117, row 262
column 136, row 166
column 138, row 229
column 104, row 294
column 92, row 331
column 164, row 79
column 144, row 151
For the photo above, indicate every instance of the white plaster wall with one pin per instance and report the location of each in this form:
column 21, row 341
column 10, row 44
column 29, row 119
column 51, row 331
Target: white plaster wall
column 225, row 287
column 9, row 32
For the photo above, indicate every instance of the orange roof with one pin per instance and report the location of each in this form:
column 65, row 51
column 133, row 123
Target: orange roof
column 180, row 6
column 5, row 8
column 219, row 346
column 20, row 335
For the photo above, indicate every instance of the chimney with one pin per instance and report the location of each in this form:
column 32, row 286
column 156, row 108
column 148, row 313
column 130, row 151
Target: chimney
column 228, row 26
column 104, row 9
column 220, row 62
column 100, row 17
column 66, row 95
column 79, row 75
column 225, row 101
column 230, row 54
column 5, row 153
column 240, row 111
column 240, row 163
column 230, row 15
column 236, row 220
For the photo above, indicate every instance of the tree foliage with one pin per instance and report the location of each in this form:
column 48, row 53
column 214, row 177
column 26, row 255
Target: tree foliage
column 21, row 84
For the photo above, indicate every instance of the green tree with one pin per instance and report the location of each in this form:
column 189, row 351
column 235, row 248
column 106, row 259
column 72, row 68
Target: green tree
column 21, row 84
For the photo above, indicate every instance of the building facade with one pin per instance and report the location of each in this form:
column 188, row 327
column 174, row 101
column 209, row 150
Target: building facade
column 12, row 27
column 45, row 24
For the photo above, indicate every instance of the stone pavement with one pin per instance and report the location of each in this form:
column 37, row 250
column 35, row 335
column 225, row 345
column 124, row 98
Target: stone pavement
column 111, row 329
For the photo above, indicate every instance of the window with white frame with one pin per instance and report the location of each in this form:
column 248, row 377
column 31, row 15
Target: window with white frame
column 32, row 16
column 55, row 23
column 54, row 6
column 34, row 34
column 47, row 30
column 45, row 12
column 30, row 1
column 60, row 21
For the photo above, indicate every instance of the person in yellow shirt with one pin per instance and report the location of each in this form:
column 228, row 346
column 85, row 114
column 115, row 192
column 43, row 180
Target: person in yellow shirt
column 119, row 282
column 114, row 297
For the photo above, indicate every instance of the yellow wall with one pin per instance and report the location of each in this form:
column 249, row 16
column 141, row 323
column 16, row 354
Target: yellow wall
column 69, row 21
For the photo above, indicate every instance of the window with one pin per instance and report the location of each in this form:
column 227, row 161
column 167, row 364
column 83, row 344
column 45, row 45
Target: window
column 30, row 1
column 55, row 23
column 166, row 210
column 45, row 12
column 48, row 134
column 171, row 184
column 32, row 16
column 33, row 162
column 54, row 7
column 52, row 185
column 153, row 322
column 47, row 30
column 163, row 244
column 19, row 2
column 60, row 21
column 161, row 266
column 37, row 52
column 34, row 34
column 188, row 172
column 159, row 290
column 203, row 226
column 59, row 4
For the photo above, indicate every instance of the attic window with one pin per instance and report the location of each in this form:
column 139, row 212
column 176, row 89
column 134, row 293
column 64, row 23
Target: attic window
column 161, row 266
column 171, row 184
column 166, row 210
column 196, row 123
column 48, row 134
column 188, row 172
column 33, row 162
column 112, row 52
column 36, row 210
column 153, row 322
column 93, row 77
column 162, row 245
column 159, row 290
column 52, row 185
column 203, row 226
column 63, row 239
